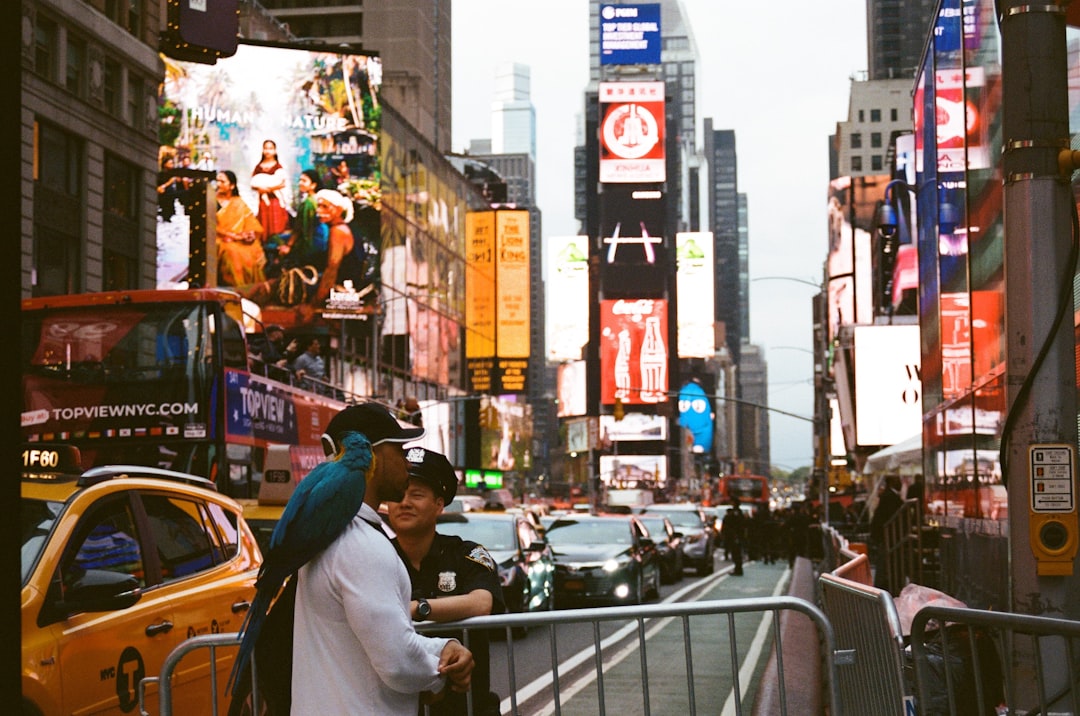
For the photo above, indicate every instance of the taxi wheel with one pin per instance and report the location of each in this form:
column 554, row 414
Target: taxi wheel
column 28, row 709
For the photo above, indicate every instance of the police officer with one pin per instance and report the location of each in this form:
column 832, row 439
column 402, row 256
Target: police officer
column 451, row 578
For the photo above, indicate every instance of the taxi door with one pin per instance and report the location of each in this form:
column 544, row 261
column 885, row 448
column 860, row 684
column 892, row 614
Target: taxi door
column 103, row 656
column 209, row 566
column 100, row 656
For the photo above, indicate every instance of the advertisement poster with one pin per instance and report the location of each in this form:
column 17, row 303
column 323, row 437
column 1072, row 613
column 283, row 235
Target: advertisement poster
column 290, row 140
column 694, row 278
column 572, row 389
column 630, row 34
column 567, row 291
column 633, row 351
column 632, row 132
column 633, row 471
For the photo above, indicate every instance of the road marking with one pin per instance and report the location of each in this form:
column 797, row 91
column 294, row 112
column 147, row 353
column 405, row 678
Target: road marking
column 752, row 656
column 545, row 682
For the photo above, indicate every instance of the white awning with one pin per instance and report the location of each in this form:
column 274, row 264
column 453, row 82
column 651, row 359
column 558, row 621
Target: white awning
column 903, row 458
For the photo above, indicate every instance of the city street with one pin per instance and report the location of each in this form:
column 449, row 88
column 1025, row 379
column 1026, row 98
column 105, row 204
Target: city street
column 667, row 683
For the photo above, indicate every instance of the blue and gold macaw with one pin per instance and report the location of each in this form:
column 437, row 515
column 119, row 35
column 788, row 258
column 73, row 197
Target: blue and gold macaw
column 319, row 510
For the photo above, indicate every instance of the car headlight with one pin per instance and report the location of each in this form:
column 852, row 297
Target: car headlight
column 614, row 565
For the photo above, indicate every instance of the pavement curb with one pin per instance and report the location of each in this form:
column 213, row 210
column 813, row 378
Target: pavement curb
column 802, row 664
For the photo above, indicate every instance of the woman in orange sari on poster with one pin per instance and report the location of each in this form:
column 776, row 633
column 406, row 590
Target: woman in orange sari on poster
column 240, row 256
column 268, row 180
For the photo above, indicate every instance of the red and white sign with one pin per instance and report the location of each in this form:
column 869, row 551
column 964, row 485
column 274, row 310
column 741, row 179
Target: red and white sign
column 633, row 351
column 631, row 132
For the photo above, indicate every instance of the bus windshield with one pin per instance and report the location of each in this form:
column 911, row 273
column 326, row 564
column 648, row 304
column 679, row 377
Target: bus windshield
column 116, row 344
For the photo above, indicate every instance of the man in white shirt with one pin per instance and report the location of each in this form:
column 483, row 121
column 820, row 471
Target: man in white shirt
column 355, row 650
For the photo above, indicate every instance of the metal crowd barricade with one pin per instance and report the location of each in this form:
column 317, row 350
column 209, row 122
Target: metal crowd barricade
column 869, row 657
column 639, row 615
column 1014, row 663
column 164, row 682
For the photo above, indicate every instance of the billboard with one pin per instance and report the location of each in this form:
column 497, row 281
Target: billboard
column 696, row 415
column 852, row 205
column 511, row 299
column 311, row 122
column 572, row 387
column 505, row 433
column 497, row 300
column 888, row 385
column 631, row 132
column 566, row 287
column 694, row 281
column 633, row 471
column 633, row 352
column 480, row 299
column 635, row 427
column 633, row 253
column 630, row 34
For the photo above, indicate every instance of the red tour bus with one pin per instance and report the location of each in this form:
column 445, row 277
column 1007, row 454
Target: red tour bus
column 161, row 378
column 744, row 488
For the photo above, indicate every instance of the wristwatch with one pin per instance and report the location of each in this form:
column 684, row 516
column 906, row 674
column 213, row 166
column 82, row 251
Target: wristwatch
column 423, row 610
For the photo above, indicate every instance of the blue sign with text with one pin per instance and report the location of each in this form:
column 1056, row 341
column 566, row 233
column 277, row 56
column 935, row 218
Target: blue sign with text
column 630, row 34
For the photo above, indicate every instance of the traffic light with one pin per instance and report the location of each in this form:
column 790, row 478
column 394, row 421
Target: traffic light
column 618, row 411
column 201, row 30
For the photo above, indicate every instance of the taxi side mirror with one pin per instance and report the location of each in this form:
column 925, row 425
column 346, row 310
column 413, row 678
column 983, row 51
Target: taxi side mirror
column 98, row 590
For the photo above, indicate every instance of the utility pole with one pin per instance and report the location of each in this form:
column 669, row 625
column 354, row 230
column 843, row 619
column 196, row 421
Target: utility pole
column 1039, row 268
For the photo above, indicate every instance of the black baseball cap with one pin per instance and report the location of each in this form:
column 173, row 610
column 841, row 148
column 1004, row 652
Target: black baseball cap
column 434, row 470
column 372, row 420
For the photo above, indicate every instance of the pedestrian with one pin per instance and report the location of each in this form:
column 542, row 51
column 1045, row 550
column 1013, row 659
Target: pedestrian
column 797, row 527
column 888, row 504
column 451, row 578
column 734, row 532
column 355, row 648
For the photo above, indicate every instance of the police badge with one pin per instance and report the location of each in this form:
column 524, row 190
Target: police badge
column 447, row 581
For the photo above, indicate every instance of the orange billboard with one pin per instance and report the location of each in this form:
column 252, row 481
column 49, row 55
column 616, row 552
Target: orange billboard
column 480, row 298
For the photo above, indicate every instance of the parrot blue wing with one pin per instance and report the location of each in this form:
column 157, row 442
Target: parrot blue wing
column 321, row 507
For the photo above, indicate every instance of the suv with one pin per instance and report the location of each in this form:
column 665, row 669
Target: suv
column 699, row 537
column 120, row 564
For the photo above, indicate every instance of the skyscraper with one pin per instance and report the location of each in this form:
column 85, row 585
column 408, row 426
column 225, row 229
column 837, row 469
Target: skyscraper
column 513, row 117
column 895, row 36
column 411, row 36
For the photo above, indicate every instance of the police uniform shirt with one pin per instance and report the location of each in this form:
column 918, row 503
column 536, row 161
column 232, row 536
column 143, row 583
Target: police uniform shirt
column 452, row 567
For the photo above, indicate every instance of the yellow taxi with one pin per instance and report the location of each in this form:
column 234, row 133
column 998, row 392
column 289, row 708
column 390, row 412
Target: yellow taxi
column 120, row 564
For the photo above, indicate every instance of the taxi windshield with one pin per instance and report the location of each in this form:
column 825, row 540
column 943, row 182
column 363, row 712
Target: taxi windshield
column 38, row 518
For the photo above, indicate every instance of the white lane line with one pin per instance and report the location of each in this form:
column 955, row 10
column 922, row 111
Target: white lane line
column 546, row 681
column 752, row 656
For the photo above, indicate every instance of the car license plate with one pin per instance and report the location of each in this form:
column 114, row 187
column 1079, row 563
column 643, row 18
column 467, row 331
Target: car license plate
column 574, row 584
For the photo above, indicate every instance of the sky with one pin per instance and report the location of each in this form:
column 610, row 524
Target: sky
column 779, row 75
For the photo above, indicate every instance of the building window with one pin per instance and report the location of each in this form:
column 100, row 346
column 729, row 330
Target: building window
column 125, row 13
column 856, row 140
column 862, row 115
column 875, row 163
column 120, row 242
column 58, row 211
column 113, row 87
column 856, row 164
column 875, row 115
column 893, row 114
column 135, row 101
column 875, row 140
column 46, row 44
column 75, row 79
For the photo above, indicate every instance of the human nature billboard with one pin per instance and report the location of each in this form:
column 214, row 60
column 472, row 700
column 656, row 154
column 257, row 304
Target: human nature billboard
column 271, row 127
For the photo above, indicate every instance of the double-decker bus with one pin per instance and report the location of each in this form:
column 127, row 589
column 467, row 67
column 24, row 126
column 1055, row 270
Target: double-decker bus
column 744, row 488
column 161, row 378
